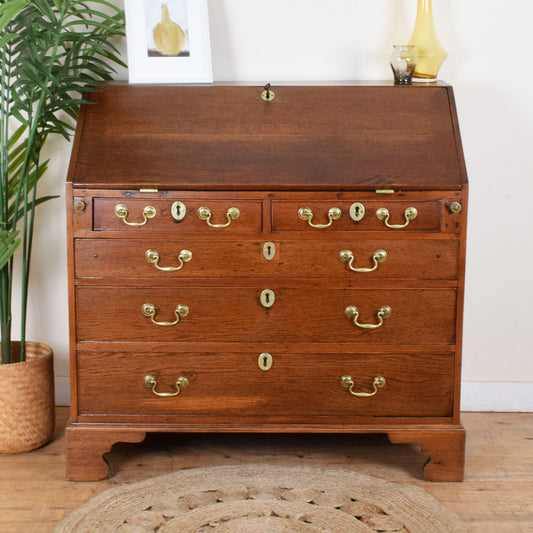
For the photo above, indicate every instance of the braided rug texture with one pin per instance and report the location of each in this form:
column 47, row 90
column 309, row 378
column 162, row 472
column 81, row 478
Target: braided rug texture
column 262, row 499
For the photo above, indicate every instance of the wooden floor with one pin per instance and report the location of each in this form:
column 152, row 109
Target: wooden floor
column 496, row 496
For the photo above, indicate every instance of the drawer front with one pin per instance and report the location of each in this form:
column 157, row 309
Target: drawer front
column 137, row 214
column 230, row 384
column 287, row 216
column 189, row 258
column 235, row 314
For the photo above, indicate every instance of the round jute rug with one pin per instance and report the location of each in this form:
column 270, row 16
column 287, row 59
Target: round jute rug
column 262, row 499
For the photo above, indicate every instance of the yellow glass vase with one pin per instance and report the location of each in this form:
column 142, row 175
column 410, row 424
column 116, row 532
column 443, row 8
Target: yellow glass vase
column 427, row 47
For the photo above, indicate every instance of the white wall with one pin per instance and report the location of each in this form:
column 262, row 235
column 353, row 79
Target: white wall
column 489, row 48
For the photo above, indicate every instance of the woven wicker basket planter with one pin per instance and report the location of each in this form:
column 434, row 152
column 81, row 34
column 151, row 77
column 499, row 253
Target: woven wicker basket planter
column 27, row 399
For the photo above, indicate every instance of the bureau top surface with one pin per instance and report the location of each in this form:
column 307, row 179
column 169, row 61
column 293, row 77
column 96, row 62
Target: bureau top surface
column 225, row 137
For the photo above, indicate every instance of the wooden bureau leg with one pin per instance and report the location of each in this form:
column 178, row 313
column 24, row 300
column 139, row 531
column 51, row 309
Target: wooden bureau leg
column 85, row 448
column 446, row 449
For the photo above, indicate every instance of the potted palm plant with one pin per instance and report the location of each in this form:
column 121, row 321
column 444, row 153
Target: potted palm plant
column 51, row 52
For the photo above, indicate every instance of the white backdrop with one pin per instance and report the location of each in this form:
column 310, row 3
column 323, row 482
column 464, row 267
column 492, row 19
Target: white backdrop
column 489, row 47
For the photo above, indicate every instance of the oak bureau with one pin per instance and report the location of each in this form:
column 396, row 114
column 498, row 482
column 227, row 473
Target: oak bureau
column 287, row 259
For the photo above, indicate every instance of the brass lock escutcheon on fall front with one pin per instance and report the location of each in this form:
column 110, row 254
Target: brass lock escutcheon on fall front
column 268, row 94
column 152, row 256
column 306, row 214
column 150, row 311
column 409, row 214
column 122, row 212
column 204, row 213
column 150, row 382
column 348, row 383
column 383, row 313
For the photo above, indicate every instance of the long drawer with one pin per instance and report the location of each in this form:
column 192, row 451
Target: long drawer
column 189, row 258
column 285, row 314
column 233, row 385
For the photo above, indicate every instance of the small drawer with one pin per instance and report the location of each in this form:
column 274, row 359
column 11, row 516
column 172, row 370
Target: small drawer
column 207, row 216
column 270, row 312
column 379, row 215
column 189, row 257
column 297, row 384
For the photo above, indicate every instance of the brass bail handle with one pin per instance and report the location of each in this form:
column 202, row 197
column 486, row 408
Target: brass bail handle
column 121, row 211
column 383, row 313
column 150, row 382
column 348, row 383
column 409, row 214
column 347, row 256
column 150, row 311
column 152, row 256
column 306, row 214
column 204, row 213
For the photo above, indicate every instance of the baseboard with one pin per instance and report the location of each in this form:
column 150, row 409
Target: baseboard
column 475, row 396
column 495, row 396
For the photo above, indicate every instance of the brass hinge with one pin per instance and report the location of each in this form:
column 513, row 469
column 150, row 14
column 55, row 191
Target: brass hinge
column 384, row 191
column 148, row 190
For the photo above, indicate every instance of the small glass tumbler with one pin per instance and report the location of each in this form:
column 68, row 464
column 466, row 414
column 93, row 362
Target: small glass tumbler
column 403, row 62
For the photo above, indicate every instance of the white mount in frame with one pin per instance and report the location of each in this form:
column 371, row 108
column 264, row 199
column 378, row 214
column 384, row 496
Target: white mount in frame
column 168, row 41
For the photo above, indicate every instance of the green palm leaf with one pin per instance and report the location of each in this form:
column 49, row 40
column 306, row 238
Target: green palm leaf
column 51, row 52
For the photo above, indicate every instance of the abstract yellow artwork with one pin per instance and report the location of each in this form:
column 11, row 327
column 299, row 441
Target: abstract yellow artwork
column 169, row 38
column 168, row 41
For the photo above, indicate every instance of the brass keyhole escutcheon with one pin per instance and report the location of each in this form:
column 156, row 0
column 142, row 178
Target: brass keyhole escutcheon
column 268, row 94
column 357, row 211
column 178, row 211
column 267, row 298
column 269, row 250
column 265, row 361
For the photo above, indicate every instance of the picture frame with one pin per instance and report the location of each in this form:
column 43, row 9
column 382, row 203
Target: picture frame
column 168, row 41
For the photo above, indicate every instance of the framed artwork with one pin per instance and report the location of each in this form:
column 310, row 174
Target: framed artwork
column 168, row 41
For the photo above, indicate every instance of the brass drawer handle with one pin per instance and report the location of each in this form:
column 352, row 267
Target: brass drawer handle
column 383, row 313
column 348, row 383
column 122, row 212
column 346, row 256
column 151, row 383
column 150, row 311
column 204, row 213
column 152, row 256
column 305, row 213
column 410, row 214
